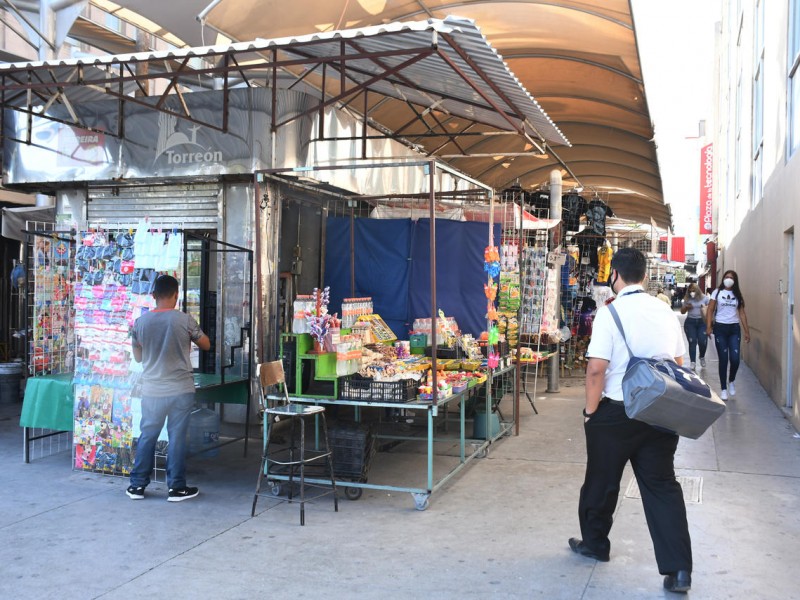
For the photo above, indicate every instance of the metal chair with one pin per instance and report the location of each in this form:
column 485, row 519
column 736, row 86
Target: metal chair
column 270, row 374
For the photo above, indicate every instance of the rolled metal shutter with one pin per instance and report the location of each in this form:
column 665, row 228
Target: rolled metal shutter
column 187, row 206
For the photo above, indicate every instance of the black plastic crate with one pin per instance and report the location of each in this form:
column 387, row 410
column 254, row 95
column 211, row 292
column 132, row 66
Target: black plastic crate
column 444, row 352
column 353, row 445
column 355, row 387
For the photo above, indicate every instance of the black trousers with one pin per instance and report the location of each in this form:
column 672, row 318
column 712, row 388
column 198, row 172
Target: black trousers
column 612, row 439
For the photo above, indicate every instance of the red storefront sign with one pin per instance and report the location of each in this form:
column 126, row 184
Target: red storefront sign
column 706, row 189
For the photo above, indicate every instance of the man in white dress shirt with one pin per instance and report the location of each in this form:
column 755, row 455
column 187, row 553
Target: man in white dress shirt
column 612, row 439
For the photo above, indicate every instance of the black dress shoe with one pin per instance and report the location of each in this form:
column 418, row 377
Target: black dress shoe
column 578, row 547
column 680, row 581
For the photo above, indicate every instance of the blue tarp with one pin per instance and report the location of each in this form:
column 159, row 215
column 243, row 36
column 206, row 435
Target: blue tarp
column 392, row 265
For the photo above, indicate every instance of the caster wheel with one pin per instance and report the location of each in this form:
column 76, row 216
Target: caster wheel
column 353, row 493
column 421, row 501
column 483, row 453
column 276, row 489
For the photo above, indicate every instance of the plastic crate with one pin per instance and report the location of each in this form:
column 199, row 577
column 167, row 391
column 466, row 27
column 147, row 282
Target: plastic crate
column 359, row 388
column 353, row 446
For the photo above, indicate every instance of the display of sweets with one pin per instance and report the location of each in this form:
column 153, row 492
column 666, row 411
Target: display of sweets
column 353, row 308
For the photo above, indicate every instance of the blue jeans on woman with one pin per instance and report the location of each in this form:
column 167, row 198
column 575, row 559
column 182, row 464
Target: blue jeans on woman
column 176, row 411
column 728, row 340
column 695, row 329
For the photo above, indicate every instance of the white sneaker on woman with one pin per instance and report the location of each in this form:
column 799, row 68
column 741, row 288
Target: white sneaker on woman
column 692, row 366
column 724, row 395
column 731, row 389
column 702, row 362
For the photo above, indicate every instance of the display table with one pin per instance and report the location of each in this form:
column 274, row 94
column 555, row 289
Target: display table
column 48, row 404
column 210, row 388
column 49, row 400
column 479, row 447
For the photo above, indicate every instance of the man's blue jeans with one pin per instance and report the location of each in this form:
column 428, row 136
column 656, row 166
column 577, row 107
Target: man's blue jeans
column 728, row 340
column 175, row 410
column 696, row 336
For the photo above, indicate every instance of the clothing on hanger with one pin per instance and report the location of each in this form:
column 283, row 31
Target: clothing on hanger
column 596, row 213
column 573, row 207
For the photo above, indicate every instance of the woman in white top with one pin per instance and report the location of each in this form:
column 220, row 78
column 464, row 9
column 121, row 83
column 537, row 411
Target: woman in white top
column 726, row 313
column 695, row 326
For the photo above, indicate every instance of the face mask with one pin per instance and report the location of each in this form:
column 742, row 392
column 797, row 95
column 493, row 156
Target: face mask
column 692, row 294
column 614, row 282
column 728, row 282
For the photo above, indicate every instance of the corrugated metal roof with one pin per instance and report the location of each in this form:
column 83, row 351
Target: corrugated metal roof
column 427, row 82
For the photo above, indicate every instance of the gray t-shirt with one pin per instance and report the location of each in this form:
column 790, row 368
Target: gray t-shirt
column 696, row 306
column 165, row 336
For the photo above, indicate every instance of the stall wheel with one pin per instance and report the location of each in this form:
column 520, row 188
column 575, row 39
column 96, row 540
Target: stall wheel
column 421, row 501
column 483, row 453
column 353, row 493
column 276, row 489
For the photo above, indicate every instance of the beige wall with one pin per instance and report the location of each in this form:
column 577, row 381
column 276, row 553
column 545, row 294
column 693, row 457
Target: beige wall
column 753, row 236
column 759, row 253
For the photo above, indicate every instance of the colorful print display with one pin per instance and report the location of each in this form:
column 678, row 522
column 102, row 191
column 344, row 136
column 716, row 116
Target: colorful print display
column 51, row 349
column 111, row 292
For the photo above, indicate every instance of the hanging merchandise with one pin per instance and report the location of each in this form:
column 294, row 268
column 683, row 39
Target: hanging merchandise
column 596, row 213
column 533, row 288
column 491, row 257
column 573, row 207
column 110, row 294
column 604, row 254
column 50, row 318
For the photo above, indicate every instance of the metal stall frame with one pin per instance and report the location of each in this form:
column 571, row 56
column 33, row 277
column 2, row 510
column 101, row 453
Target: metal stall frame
column 30, row 434
column 480, row 448
column 246, row 333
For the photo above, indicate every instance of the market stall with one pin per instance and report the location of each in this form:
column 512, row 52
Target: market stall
column 87, row 291
column 418, row 336
column 255, row 166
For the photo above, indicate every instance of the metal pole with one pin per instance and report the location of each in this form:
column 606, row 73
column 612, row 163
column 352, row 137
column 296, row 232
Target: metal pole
column 555, row 213
column 431, row 166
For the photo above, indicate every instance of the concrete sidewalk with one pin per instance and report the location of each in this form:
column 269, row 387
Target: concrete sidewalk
column 498, row 530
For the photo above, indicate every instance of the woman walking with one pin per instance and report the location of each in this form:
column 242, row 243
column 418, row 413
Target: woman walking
column 695, row 326
column 726, row 318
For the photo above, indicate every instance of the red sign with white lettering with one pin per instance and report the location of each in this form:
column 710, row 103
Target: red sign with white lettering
column 707, row 189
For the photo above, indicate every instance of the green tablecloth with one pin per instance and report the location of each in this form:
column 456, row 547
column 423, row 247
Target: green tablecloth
column 48, row 402
column 49, row 399
column 209, row 388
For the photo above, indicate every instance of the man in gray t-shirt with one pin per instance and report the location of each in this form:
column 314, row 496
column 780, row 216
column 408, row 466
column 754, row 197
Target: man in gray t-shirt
column 161, row 340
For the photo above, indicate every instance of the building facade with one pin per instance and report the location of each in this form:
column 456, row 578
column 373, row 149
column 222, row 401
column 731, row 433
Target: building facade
column 757, row 186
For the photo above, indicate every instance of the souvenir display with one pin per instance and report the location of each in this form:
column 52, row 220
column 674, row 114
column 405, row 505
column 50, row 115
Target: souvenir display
column 51, row 344
column 113, row 288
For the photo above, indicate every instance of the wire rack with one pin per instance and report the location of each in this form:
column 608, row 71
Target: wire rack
column 50, row 266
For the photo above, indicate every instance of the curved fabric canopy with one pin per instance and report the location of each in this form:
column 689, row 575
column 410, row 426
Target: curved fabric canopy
column 578, row 58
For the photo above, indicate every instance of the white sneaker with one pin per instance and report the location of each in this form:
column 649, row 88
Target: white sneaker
column 692, row 366
column 731, row 389
column 702, row 362
column 724, row 395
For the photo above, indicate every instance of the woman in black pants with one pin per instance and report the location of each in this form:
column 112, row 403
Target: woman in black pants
column 726, row 313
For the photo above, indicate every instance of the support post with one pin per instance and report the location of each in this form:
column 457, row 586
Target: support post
column 555, row 241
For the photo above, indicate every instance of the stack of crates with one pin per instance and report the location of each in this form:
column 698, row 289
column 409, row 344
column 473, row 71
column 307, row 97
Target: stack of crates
column 353, row 445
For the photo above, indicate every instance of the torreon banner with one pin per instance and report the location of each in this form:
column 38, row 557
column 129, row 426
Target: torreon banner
column 706, row 189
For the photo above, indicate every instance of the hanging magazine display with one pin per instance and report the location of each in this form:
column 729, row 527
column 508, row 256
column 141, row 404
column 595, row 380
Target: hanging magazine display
column 51, row 350
column 113, row 287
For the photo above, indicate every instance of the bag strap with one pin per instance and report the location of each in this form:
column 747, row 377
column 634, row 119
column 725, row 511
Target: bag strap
column 615, row 314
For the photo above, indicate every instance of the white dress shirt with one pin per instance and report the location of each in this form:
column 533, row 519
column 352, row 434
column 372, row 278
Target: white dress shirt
column 651, row 328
